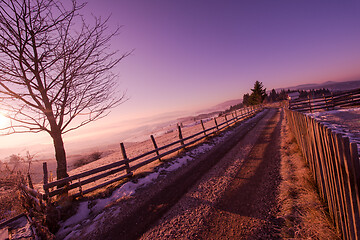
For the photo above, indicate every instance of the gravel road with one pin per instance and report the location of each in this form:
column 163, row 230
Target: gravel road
column 228, row 193
column 237, row 198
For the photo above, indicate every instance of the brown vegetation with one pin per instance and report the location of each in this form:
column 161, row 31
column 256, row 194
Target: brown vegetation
column 88, row 159
column 304, row 215
column 10, row 204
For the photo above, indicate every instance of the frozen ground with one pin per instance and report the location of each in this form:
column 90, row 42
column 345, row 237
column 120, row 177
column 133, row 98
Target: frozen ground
column 344, row 121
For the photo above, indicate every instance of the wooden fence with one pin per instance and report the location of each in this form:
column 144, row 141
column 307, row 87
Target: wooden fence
column 334, row 162
column 128, row 166
column 326, row 102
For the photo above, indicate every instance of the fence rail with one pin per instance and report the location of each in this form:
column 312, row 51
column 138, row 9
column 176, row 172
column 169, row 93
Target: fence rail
column 326, row 102
column 127, row 166
column 334, row 162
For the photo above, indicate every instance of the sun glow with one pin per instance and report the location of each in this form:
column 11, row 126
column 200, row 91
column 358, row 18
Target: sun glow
column 4, row 121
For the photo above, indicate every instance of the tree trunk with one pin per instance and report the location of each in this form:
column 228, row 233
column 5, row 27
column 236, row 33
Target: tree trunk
column 61, row 170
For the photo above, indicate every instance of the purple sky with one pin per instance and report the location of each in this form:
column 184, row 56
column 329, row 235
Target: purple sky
column 192, row 54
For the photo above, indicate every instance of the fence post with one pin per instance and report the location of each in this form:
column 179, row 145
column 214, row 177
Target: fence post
column 236, row 116
column 217, row 127
column 356, row 181
column 203, row 127
column 45, row 170
column 326, row 105
column 123, row 151
column 30, row 181
column 226, row 120
column 155, row 146
column 180, row 136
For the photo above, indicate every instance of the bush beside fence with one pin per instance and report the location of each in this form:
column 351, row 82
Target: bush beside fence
column 128, row 166
column 334, row 162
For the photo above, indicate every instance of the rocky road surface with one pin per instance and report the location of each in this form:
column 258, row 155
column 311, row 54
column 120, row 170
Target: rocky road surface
column 229, row 193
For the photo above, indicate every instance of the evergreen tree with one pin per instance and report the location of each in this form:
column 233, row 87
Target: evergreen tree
column 258, row 94
column 273, row 96
column 246, row 98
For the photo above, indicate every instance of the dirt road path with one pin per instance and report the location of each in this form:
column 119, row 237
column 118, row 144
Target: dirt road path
column 247, row 208
column 237, row 198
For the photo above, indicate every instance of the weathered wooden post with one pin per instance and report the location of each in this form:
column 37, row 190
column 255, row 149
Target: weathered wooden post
column 203, row 127
column 155, row 146
column 180, row 136
column 45, row 170
column 80, row 188
column 30, row 181
column 227, row 123
column 123, row 151
column 216, row 124
column 326, row 105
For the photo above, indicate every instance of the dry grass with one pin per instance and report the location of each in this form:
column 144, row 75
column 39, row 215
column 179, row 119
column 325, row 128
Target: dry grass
column 10, row 203
column 305, row 216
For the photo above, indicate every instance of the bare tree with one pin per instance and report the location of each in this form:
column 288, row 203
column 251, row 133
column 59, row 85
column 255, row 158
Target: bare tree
column 55, row 67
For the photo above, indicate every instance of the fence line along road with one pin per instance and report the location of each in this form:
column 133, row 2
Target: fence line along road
column 326, row 102
column 334, row 162
column 127, row 166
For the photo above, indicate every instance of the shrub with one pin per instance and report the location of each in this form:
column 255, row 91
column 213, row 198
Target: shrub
column 88, row 159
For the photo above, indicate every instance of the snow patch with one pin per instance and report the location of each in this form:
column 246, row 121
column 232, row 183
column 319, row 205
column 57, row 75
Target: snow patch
column 178, row 163
column 81, row 214
column 338, row 126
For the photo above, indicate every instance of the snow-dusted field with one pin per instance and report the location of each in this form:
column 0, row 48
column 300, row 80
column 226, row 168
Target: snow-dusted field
column 133, row 149
column 345, row 121
column 140, row 145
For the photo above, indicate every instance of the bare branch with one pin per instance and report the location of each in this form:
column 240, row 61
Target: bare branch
column 52, row 66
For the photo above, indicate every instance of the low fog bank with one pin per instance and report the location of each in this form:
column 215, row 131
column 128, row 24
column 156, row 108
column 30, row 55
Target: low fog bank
column 98, row 138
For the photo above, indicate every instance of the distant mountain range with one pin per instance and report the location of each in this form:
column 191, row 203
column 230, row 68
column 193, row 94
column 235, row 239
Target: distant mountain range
column 331, row 85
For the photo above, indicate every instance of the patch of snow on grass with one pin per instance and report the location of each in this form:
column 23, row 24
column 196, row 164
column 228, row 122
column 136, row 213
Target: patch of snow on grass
column 201, row 149
column 178, row 163
column 81, row 214
column 339, row 126
column 67, row 228
column 125, row 190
